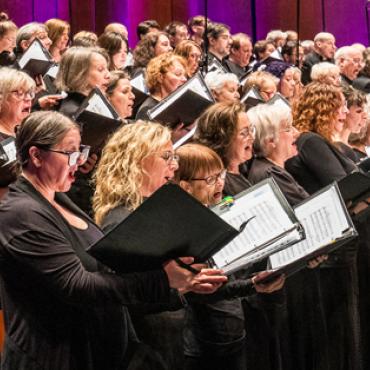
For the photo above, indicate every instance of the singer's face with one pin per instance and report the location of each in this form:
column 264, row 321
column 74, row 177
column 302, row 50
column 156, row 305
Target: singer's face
column 207, row 194
column 241, row 146
column 193, row 60
column 119, row 58
column 98, row 75
column 228, row 93
column 158, row 168
column 355, row 119
column 173, row 78
column 122, row 98
column 7, row 42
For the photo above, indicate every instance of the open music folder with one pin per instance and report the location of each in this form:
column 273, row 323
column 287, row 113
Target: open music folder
column 327, row 226
column 139, row 89
column 98, row 120
column 8, row 158
column 252, row 98
column 36, row 60
column 272, row 226
column 49, row 79
column 184, row 105
column 169, row 224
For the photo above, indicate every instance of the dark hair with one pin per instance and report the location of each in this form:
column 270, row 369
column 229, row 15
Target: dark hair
column 144, row 50
column 217, row 127
column 144, row 27
column 289, row 48
column 43, row 130
column 112, row 43
column 115, row 76
column 171, row 27
column 354, row 97
column 214, row 30
column 260, row 47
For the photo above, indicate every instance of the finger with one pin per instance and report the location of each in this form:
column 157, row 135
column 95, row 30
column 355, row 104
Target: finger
column 200, row 279
column 209, row 271
column 187, row 260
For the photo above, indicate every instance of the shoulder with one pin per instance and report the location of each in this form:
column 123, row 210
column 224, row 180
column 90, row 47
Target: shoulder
column 70, row 105
column 148, row 103
column 259, row 170
column 114, row 217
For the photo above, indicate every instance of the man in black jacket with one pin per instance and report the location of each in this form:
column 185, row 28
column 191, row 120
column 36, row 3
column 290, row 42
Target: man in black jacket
column 324, row 49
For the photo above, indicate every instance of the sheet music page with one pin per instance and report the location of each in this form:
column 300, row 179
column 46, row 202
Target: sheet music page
column 185, row 138
column 33, row 52
column 52, row 71
column 323, row 219
column 197, row 86
column 98, row 105
column 139, row 83
column 252, row 93
column 10, row 151
column 270, row 220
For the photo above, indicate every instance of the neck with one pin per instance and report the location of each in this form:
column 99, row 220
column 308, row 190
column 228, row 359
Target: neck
column 344, row 135
column 34, row 179
column 218, row 56
column 233, row 167
column 276, row 160
column 7, row 126
column 160, row 95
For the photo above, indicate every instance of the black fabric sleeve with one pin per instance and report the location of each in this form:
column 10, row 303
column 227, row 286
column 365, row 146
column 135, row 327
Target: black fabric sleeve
column 45, row 255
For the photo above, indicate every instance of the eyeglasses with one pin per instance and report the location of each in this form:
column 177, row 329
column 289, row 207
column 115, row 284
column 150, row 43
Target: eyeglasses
column 22, row 95
column 248, row 131
column 169, row 157
column 211, row 180
column 357, row 61
column 78, row 157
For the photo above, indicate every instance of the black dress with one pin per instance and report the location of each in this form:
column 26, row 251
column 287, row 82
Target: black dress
column 156, row 351
column 8, row 174
column 318, row 164
column 302, row 342
column 148, row 103
column 63, row 310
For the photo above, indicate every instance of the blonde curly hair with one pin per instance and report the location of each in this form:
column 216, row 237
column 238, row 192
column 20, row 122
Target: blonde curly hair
column 317, row 109
column 119, row 175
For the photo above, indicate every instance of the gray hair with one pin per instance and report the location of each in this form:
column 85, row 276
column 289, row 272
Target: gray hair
column 321, row 70
column 267, row 119
column 11, row 80
column 276, row 34
column 43, row 130
column 216, row 80
column 323, row 36
column 27, row 31
column 344, row 52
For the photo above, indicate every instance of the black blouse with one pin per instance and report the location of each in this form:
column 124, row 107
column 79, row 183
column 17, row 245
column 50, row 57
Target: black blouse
column 62, row 309
column 318, row 163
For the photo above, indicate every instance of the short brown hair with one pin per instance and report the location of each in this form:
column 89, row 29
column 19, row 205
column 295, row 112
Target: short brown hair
column 217, row 127
column 195, row 160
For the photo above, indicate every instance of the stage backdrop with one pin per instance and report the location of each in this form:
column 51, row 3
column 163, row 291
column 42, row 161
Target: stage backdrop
column 346, row 19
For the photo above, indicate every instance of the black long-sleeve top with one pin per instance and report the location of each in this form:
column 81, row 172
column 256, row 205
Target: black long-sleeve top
column 62, row 309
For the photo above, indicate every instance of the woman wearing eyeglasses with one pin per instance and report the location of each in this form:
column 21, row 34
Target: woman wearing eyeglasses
column 225, row 128
column 63, row 309
column 137, row 160
column 17, row 91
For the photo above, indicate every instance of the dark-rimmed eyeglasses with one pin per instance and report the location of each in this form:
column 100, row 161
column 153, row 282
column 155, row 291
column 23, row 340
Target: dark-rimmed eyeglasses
column 211, row 180
column 74, row 157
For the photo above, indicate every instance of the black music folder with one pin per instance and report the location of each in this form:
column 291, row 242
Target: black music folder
column 328, row 226
column 36, row 60
column 252, row 97
column 272, row 226
column 278, row 100
column 8, row 158
column 49, row 79
column 169, row 224
column 97, row 119
column 184, row 105
column 139, row 89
